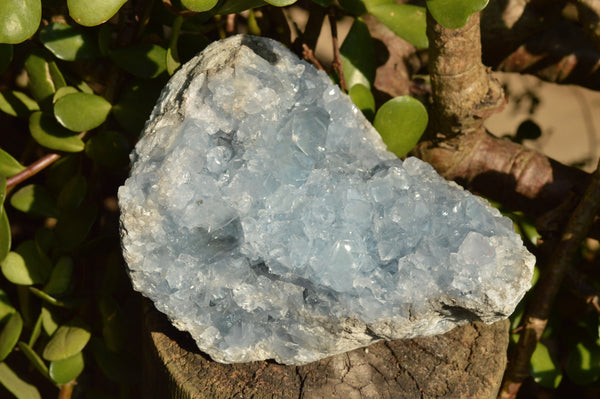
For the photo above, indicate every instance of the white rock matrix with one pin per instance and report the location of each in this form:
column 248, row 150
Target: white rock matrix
column 264, row 215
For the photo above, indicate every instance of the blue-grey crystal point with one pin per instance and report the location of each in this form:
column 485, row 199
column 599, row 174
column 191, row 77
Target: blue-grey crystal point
column 265, row 216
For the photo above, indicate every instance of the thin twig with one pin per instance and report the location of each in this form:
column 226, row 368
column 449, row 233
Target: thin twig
column 309, row 56
column 32, row 169
column 230, row 25
column 545, row 293
column 337, row 59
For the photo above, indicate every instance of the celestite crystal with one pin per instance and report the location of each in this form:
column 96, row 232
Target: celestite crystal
column 264, row 215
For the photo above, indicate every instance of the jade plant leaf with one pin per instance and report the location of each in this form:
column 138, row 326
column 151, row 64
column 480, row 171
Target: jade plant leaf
column 8, row 165
column 9, row 336
column 454, row 14
column 68, row 340
column 19, row 19
column 34, row 358
column 6, row 308
column 544, row 368
column 27, row 265
column 49, row 133
column 6, row 54
column 15, row 385
column 136, row 103
column 72, row 193
column 93, row 12
column 358, row 55
column 17, row 103
column 401, row 122
column 61, row 276
column 143, row 60
column 108, row 148
column 81, row 111
column 363, row 98
column 235, row 6
column 35, row 200
column 5, row 234
column 65, row 370
column 44, row 76
column 63, row 91
column 199, row 5
column 49, row 321
column 281, row 3
column 405, row 20
column 583, row 363
column 68, row 43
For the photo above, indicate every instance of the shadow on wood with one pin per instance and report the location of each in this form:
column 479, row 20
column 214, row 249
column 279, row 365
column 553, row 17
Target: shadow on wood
column 468, row 361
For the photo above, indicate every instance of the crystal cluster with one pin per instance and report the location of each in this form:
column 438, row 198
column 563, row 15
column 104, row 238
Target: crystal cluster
column 264, row 215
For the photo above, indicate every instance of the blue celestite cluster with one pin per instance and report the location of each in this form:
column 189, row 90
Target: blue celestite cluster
column 264, row 215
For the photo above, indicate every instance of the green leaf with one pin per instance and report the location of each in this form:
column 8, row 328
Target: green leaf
column 6, row 54
column 17, row 103
column 68, row 43
column 235, row 6
column 136, row 103
column 583, row 363
column 6, row 309
column 362, row 97
column 61, row 277
column 63, row 91
column 19, row 19
column 35, row 200
column 2, row 191
column 68, row 340
column 358, row 56
column 34, row 358
column 44, row 76
column 173, row 60
column 454, row 14
column 44, row 238
column 8, row 165
column 10, row 334
column 108, row 148
column 26, row 265
column 73, row 227
column 544, row 369
column 323, row 3
column 401, row 122
column 93, row 12
column 143, row 60
column 81, row 111
column 199, row 5
column 63, row 371
column 72, row 193
column 405, row 20
column 36, row 331
column 281, row 3
column 5, row 234
column 49, row 321
column 15, row 385
column 50, row 134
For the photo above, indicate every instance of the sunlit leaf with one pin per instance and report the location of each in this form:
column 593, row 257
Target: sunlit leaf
column 15, row 385
column 136, row 103
column 50, row 134
column 68, row 43
column 68, row 340
column 34, row 358
column 401, row 121
column 63, row 371
column 9, row 336
column 8, row 165
column 61, row 276
column 544, row 369
column 17, row 103
column 63, row 91
column 173, row 60
column 19, row 19
column 454, row 14
column 405, row 20
column 363, row 98
column 281, row 3
column 5, row 234
column 26, row 265
column 143, row 60
column 49, row 321
column 93, row 12
column 81, row 111
column 108, row 148
column 583, row 363
column 6, row 54
column 35, row 200
column 199, row 5
column 358, row 56
column 36, row 331
column 44, row 76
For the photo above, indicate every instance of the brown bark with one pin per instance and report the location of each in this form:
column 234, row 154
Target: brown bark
column 466, row 362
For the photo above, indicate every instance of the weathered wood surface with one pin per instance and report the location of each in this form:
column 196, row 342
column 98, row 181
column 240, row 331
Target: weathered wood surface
column 467, row 362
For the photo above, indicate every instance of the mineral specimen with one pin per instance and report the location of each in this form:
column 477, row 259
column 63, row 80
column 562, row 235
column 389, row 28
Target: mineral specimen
column 264, row 215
